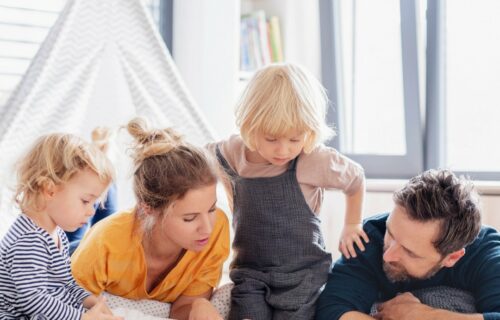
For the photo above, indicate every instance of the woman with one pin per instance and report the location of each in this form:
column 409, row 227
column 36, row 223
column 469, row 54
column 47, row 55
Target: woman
column 172, row 245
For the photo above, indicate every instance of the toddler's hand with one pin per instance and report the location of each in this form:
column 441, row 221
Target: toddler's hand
column 352, row 233
column 100, row 311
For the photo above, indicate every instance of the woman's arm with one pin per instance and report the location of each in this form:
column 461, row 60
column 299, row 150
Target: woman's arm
column 194, row 308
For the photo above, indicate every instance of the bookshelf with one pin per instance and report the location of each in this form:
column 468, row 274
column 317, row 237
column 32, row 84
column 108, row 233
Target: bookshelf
column 295, row 37
column 260, row 41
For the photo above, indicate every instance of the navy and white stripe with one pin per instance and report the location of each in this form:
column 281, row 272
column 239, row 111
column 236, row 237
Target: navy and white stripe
column 35, row 276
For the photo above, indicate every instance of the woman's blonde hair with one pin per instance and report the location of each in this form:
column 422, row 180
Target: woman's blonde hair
column 282, row 98
column 166, row 168
column 53, row 160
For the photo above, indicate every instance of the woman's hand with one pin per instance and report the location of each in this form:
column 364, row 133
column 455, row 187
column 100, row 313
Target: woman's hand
column 202, row 309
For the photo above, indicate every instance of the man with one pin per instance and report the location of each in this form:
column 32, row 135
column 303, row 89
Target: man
column 432, row 238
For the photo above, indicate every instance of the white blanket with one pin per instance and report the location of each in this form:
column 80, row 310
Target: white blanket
column 155, row 310
column 132, row 314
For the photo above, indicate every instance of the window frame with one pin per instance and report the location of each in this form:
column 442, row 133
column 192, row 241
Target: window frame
column 166, row 23
column 436, row 93
column 377, row 166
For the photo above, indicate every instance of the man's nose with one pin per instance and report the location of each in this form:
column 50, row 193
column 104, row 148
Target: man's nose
column 391, row 254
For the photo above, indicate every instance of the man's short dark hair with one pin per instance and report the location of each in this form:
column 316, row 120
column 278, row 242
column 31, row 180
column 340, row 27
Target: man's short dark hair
column 442, row 196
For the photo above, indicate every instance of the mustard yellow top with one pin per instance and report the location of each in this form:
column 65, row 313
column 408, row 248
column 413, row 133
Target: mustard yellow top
column 111, row 258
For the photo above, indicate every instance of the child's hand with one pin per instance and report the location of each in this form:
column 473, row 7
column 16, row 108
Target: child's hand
column 352, row 233
column 202, row 309
column 92, row 300
column 100, row 311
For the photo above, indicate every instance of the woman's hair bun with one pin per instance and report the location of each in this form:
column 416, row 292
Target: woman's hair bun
column 151, row 142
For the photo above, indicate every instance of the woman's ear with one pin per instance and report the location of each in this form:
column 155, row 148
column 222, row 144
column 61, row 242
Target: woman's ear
column 146, row 209
column 148, row 216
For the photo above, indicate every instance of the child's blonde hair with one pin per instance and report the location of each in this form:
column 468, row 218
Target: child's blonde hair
column 53, row 160
column 282, row 98
column 100, row 137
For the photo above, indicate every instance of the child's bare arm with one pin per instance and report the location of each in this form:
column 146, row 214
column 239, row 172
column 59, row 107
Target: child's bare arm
column 352, row 232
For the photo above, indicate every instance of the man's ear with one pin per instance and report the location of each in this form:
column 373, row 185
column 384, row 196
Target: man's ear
column 452, row 258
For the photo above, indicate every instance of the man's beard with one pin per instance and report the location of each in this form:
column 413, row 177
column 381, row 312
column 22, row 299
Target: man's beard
column 395, row 272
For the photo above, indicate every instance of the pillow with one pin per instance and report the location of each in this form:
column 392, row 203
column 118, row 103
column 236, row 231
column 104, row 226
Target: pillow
column 221, row 300
column 443, row 297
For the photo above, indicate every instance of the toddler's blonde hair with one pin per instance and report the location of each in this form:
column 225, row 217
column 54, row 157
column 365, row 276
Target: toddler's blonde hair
column 280, row 99
column 100, row 137
column 53, row 160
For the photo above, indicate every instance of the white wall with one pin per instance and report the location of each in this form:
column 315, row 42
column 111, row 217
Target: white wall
column 206, row 51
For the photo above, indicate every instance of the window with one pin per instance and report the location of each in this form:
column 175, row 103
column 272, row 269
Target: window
column 438, row 80
column 23, row 27
column 370, row 69
column 370, row 51
column 24, row 24
column 463, row 77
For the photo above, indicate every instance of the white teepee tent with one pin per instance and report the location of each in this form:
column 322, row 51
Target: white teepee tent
column 102, row 63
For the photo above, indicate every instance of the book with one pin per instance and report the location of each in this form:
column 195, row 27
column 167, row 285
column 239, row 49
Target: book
column 276, row 45
column 260, row 41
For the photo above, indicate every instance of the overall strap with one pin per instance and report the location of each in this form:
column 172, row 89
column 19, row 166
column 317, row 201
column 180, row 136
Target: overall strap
column 293, row 164
column 227, row 168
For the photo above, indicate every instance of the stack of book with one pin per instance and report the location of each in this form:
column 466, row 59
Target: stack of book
column 260, row 41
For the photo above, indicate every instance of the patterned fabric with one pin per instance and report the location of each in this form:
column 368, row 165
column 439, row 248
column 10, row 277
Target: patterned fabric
column 35, row 275
column 442, row 297
column 155, row 310
column 279, row 261
column 132, row 314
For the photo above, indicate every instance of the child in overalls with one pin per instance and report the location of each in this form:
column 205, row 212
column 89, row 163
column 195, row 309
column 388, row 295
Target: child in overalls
column 280, row 169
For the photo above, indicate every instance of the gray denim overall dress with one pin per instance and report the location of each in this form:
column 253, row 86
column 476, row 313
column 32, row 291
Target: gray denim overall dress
column 280, row 263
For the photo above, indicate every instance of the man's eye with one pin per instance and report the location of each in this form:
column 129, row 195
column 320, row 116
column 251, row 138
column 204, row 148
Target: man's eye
column 412, row 255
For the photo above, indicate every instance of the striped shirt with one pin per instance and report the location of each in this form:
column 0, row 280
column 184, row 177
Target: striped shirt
column 35, row 275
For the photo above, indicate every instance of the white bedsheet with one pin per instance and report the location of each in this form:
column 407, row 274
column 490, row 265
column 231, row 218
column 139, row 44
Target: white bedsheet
column 155, row 310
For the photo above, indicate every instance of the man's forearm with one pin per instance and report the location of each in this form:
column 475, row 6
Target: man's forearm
column 440, row 314
column 435, row 314
column 355, row 315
